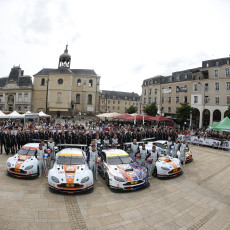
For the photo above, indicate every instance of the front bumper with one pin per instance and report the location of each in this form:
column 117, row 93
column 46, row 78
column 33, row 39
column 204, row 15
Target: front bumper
column 22, row 173
column 189, row 160
column 130, row 187
column 71, row 190
column 170, row 175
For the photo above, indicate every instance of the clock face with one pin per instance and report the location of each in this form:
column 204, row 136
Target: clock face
column 60, row 81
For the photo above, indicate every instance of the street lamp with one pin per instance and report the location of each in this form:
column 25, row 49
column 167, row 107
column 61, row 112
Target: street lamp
column 47, row 87
column 204, row 98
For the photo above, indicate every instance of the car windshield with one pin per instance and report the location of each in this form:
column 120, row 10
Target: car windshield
column 118, row 160
column 159, row 145
column 27, row 151
column 63, row 160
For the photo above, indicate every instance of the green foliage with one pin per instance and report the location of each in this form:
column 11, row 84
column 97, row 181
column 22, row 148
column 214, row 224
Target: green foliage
column 183, row 112
column 151, row 109
column 131, row 109
column 228, row 112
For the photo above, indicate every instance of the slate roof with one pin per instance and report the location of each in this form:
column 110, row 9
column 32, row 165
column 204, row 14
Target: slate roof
column 3, row 81
column 25, row 81
column 64, row 70
column 120, row 95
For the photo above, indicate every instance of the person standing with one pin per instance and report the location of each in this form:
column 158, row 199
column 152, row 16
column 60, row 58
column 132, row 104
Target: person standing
column 133, row 149
column 182, row 152
column 2, row 139
column 92, row 155
column 142, row 155
column 50, row 145
column 151, row 159
column 40, row 155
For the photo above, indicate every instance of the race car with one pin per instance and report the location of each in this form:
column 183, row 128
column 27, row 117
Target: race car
column 120, row 172
column 24, row 163
column 70, row 172
column 166, row 166
column 188, row 155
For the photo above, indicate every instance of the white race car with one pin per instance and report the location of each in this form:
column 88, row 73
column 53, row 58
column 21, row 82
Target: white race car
column 24, row 163
column 120, row 172
column 166, row 166
column 70, row 172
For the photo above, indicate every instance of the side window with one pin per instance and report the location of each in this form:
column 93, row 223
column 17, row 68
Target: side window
column 78, row 82
column 43, row 81
column 90, row 83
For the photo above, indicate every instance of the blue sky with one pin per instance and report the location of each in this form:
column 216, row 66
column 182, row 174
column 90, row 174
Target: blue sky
column 124, row 41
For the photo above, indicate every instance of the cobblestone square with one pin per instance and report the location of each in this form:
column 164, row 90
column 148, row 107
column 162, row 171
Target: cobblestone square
column 198, row 199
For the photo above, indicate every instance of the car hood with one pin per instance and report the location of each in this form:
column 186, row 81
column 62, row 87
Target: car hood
column 129, row 172
column 169, row 162
column 20, row 160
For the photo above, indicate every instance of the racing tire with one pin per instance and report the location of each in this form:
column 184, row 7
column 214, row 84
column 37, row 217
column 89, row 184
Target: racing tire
column 107, row 179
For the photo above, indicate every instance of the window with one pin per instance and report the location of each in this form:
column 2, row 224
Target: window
column 162, row 99
column 1, row 98
column 78, row 99
column 227, row 62
column 90, row 99
column 170, row 89
column 90, row 83
column 102, row 107
column 20, row 98
column 227, row 72
column 118, row 102
column 59, row 97
column 169, row 109
column 108, row 107
column 217, row 86
column 113, row 107
column 108, row 101
column 206, row 86
column 25, row 108
column 113, row 102
column 185, row 76
column 178, row 77
column 207, row 65
column 78, row 82
column 170, row 79
column 195, row 87
column 228, row 100
column 217, row 99
column 43, row 81
column 177, row 100
column 150, row 92
column 26, row 98
column 206, row 100
column 118, row 107
column 144, row 100
column 170, row 99
column 19, row 108
column 216, row 73
column 144, row 93
column 195, row 99
column 228, row 85
column 217, row 63
column 155, row 99
column 126, row 103
column 155, row 91
column 185, row 99
column 162, row 109
column 102, row 102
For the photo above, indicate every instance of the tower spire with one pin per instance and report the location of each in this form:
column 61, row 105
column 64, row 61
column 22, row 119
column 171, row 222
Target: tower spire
column 65, row 58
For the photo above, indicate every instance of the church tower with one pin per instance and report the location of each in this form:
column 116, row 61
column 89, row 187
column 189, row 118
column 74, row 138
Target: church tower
column 64, row 59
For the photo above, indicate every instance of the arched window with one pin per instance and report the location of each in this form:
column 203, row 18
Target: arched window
column 90, row 99
column 59, row 97
column 78, row 82
column 43, row 81
column 90, row 83
column 78, row 99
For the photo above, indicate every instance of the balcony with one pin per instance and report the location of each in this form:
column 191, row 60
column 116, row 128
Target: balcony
column 22, row 102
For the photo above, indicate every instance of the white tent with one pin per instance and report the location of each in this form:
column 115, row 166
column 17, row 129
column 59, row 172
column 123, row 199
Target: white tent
column 108, row 115
column 42, row 114
column 15, row 115
column 3, row 115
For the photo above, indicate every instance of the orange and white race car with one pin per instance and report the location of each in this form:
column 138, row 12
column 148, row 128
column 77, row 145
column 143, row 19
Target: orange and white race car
column 70, row 173
column 24, row 163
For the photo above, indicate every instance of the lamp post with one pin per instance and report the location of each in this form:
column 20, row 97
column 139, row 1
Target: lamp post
column 47, row 87
column 203, row 99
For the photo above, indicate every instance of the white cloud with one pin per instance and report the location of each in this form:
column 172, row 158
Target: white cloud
column 125, row 42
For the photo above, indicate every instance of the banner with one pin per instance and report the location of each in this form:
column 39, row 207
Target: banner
column 205, row 141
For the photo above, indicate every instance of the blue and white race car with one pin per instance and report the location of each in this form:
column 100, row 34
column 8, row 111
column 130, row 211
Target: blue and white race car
column 120, row 172
column 70, row 173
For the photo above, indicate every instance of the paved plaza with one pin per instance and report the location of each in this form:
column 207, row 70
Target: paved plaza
column 198, row 199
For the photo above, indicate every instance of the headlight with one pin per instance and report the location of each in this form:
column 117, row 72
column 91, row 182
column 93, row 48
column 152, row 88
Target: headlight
column 144, row 175
column 85, row 179
column 8, row 164
column 119, row 179
column 29, row 167
column 55, row 179
column 165, row 168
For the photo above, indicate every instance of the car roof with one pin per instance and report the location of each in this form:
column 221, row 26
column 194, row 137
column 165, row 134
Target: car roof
column 160, row 141
column 31, row 146
column 71, row 152
column 115, row 152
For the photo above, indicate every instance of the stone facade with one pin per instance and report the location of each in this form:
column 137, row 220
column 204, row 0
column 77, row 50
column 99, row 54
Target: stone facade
column 16, row 91
column 205, row 88
column 116, row 101
column 66, row 91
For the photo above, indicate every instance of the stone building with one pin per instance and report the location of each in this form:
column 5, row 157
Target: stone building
column 206, row 88
column 116, row 101
column 66, row 91
column 16, row 91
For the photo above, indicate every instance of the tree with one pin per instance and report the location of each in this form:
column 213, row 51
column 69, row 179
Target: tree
column 131, row 109
column 228, row 112
column 183, row 112
column 151, row 109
